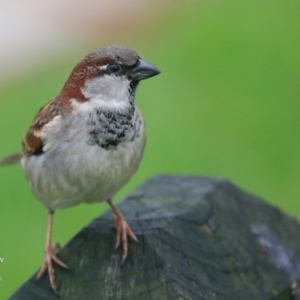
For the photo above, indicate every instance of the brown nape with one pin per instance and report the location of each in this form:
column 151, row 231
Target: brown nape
column 86, row 69
column 72, row 88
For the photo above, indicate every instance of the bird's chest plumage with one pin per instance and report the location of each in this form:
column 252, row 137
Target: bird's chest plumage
column 108, row 130
column 87, row 158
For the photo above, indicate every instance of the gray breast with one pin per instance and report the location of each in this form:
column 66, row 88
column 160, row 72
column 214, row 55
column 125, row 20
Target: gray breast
column 108, row 129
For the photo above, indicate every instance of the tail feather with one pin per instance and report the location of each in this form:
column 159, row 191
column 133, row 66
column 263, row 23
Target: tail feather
column 14, row 158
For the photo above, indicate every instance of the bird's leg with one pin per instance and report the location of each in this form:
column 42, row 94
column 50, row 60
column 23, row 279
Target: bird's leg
column 123, row 230
column 50, row 256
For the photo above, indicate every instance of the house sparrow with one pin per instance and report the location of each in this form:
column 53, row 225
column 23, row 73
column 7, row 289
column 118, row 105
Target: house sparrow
column 85, row 144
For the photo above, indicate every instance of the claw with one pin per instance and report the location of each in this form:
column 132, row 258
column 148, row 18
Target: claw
column 123, row 230
column 50, row 257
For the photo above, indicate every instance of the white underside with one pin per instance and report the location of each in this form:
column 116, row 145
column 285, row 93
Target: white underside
column 72, row 172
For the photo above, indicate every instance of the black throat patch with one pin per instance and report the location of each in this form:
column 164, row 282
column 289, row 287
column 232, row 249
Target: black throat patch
column 108, row 129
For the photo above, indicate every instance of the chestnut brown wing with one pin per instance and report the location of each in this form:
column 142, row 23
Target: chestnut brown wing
column 32, row 141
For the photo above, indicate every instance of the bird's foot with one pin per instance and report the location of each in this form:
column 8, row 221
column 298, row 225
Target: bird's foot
column 123, row 230
column 49, row 259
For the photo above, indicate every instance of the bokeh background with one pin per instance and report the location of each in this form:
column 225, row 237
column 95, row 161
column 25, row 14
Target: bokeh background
column 226, row 104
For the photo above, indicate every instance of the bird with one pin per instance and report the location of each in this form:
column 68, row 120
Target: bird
column 86, row 143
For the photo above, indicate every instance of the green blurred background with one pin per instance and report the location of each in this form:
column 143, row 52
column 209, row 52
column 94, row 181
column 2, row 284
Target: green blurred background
column 226, row 105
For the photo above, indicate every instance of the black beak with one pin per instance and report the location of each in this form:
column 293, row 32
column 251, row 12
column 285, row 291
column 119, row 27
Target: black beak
column 143, row 71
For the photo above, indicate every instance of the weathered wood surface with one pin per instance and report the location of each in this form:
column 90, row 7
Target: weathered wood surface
column 200, row 238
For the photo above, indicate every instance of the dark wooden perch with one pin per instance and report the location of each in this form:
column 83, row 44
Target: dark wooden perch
column 200, row 238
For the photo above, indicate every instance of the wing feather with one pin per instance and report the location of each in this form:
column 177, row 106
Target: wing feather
column 14, row 158
column 32, row 141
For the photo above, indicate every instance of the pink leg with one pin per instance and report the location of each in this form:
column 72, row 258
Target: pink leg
column 50, row 256
column 123, row 230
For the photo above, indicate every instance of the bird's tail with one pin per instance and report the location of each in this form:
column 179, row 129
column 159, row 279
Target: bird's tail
column 14, row 158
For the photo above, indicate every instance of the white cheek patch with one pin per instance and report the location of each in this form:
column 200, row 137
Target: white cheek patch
column 107, row 92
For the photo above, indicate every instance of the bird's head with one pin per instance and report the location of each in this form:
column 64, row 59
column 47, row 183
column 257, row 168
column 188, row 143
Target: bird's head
column 106, row 78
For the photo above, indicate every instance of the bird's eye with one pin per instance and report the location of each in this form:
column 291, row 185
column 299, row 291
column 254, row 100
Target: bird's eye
column 114, row 68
